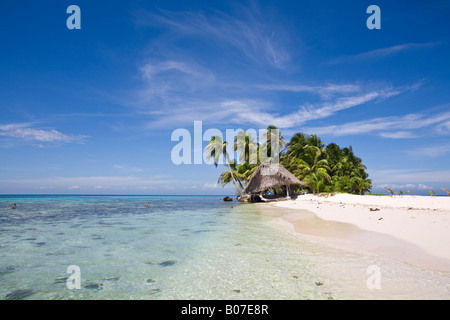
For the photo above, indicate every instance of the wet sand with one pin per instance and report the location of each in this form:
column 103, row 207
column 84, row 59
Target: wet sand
column 409, row 244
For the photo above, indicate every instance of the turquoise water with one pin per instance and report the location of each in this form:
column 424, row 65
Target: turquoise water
column 182, row 247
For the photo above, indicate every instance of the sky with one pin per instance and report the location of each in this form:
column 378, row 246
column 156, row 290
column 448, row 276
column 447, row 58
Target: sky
column 93, row 110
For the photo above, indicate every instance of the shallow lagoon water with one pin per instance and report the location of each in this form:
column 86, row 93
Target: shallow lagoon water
column 182, row 247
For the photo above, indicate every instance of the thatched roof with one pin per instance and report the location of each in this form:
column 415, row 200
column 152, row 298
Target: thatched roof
column 270, row 176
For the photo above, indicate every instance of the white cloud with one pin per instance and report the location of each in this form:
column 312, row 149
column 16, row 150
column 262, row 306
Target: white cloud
column 127, row 168
column 403, row 187
column 167, row 76
column 387, row 127
column 398, row 135
column 384, row 52
column 423, row 187
column 111, row 183
column 443, row 128
column 24, row 131
column 430, row 151
column 210, row 186
column 325, row 91
column 410, row 176
column 257, row 112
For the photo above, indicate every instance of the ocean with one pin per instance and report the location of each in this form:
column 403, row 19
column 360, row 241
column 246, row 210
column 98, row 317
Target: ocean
column 181, row 247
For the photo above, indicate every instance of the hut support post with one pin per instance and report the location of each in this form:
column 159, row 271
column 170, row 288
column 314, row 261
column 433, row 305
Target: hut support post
column 287, row 191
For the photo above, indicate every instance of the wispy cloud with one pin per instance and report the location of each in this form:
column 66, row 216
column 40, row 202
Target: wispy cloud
column 25, row 131
column 325, row 91
column 387, row 127
column 250, row 33
column 430, row 151
column 398, row 134
column 110, row 183
column 127, row 168
column 258, row 112
column 403, row 187
column 128, row 184
column 383, row 52
column 171, row 82
column 177, row 75
column 410, row 176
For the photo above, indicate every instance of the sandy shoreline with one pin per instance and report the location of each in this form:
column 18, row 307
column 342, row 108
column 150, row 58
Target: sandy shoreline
column 412, row 229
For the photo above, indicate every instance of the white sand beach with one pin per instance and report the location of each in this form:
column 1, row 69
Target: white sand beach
column 413, row 229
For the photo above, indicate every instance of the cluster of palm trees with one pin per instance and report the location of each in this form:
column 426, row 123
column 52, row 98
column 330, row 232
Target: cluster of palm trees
column 325, row 168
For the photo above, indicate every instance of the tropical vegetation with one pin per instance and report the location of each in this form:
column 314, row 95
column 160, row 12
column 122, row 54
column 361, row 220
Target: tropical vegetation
column 326, row 168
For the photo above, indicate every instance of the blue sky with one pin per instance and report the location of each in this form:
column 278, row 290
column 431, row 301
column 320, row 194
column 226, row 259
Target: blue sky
column 93, row 110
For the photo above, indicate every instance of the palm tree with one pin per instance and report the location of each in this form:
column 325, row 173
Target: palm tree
column 217, row 148
column 271, row 138
column 242, row 173
column 310, row 162
column 389, row 190
column 362, row 185
column 245, row 143
column 341, row 183
column 317, row 180
column 299, row 141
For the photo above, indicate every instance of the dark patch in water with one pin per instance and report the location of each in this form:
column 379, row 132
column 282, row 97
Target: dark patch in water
column 97, row 286
column 150, row 281
column 156, row 290
column 167, row 263
column 40, row 244
column 60, row 280
column 237, row 291
column 200, row 231
column 19, row 294
column 60, row 233
column 111, row 279
column 97, row 238
column 30, row 239
column 7, row 270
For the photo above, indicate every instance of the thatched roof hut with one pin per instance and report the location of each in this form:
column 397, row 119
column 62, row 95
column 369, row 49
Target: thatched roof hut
column 269, row 176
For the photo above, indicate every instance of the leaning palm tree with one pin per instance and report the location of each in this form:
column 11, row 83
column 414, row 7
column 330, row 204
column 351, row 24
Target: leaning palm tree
column 242, row 173
column 389, row 190
column 446, row 190
column 217, row 148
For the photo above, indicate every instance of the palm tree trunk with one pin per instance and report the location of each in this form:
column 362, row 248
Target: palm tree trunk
column 232, row 175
